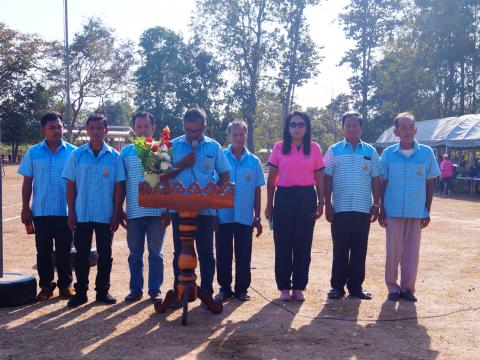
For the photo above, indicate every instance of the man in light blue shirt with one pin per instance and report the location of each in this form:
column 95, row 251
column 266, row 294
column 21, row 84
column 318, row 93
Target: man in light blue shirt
column 197, row 158
column 94, row 174
column 142, row 222
column 42, row 168
column 236, row 224
column 409, row 171
column 352, row 173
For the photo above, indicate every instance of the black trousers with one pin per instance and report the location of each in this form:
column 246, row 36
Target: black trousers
column 350, row 240
column 204, row 246
column 47, row 230
column 83, row 243
column 293, row 223
column 229, row 237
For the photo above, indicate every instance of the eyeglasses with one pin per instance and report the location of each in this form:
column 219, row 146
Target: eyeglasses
column 293, row 125
column 194, row 131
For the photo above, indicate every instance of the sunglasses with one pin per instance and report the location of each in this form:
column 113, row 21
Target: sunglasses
column 194, row 131
column 293, row 125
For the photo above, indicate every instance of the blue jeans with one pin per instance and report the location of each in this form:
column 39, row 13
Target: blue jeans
column 136, row 230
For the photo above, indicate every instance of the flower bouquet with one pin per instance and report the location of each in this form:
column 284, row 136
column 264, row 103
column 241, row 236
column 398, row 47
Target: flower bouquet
column 155, row 156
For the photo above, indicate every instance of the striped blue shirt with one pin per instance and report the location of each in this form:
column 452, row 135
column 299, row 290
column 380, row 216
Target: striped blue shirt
column 405, row 194
column 49, row 188
column 134, row 175
column 209, row 159
column 352, row 171
column 95, row 179
column 247, row 174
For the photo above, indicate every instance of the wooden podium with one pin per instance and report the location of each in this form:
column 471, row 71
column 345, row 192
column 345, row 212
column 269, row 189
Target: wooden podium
column 188, row 202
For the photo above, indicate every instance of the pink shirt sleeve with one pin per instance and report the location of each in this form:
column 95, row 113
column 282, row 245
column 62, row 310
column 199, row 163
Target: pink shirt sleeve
column 318, row 160
column 274, row 158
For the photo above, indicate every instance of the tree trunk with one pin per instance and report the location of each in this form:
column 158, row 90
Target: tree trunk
column 462, row 87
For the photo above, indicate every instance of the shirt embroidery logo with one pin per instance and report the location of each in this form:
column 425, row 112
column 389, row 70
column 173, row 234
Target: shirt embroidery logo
column 365, row 167
column 207, row 165
column 419, row 171
column 106, row 173
column 248, row 177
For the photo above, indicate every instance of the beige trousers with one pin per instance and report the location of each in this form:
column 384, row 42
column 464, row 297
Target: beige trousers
column 403, row 248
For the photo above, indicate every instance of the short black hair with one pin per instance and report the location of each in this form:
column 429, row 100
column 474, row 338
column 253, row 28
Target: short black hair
column 98, row 117
column 195, row 114
column 143, row 114
column 50, row 116
column 352, row 114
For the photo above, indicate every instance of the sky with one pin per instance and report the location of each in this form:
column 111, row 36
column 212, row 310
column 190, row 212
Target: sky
column 130, row 18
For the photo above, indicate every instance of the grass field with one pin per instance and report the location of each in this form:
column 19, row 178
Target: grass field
column 443, row 324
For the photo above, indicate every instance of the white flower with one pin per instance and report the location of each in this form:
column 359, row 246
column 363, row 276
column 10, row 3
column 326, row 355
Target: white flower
column 164, row 165
column 165, row 156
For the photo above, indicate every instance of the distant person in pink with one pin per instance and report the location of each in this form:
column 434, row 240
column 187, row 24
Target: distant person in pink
column 446, row 175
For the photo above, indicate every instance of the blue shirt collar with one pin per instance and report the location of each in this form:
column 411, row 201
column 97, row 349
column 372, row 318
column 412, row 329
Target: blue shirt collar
column 397, row 147
column 105, row 149
column 246, row 152
column 183, row 139
column 45, row 145
column 345, row 143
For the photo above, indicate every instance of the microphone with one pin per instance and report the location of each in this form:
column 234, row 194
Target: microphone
column 194, row 145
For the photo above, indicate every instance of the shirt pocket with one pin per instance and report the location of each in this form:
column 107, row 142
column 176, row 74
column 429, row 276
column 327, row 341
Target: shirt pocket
column 207, row 163
column 245, row 177
column 363, row 165
column 416, row 172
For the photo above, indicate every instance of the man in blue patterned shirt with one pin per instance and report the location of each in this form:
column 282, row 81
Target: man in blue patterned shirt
column 142, row 222
column 197, row 158
column 94, row 174
column 352, row 174
column 42, row 168
column 409, row 171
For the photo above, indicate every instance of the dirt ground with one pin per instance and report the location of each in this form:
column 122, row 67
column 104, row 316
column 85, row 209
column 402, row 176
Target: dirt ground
column 443, row 324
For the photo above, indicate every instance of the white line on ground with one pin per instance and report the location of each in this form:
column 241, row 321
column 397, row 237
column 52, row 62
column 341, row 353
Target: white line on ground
column 12, row 218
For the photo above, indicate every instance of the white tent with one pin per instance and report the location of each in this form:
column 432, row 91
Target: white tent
column 456, row 132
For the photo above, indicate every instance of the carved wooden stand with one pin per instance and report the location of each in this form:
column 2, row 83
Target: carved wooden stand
column 188, row 202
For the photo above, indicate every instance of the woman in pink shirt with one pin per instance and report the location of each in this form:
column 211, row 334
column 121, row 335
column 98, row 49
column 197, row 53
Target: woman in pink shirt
column 296, row 169
column 446, row 175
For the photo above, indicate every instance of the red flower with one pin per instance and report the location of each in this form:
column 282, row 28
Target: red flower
column 168, row 143
column 165, row 136
column 148, row 140
column 155, row 148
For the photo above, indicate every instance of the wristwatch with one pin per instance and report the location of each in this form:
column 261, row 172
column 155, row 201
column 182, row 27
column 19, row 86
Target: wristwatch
column 257, row 219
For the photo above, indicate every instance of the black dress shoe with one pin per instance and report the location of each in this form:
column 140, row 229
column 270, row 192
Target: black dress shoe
column 77, row 300
column 395, row 296
column 363, row 295
column 106, row 299
column 223, row 296
column 335, row 294
column 133, row 297
column 244, row 296
column 408, row 295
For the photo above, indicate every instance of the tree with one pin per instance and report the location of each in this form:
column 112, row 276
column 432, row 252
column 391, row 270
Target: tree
column 269, row 121
column 20, row 116
column 100, row 67
column 22, row 99
column 369, row 23
column 299, row 57
column 175, row 76
column 117, row 112
column 238, row 33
